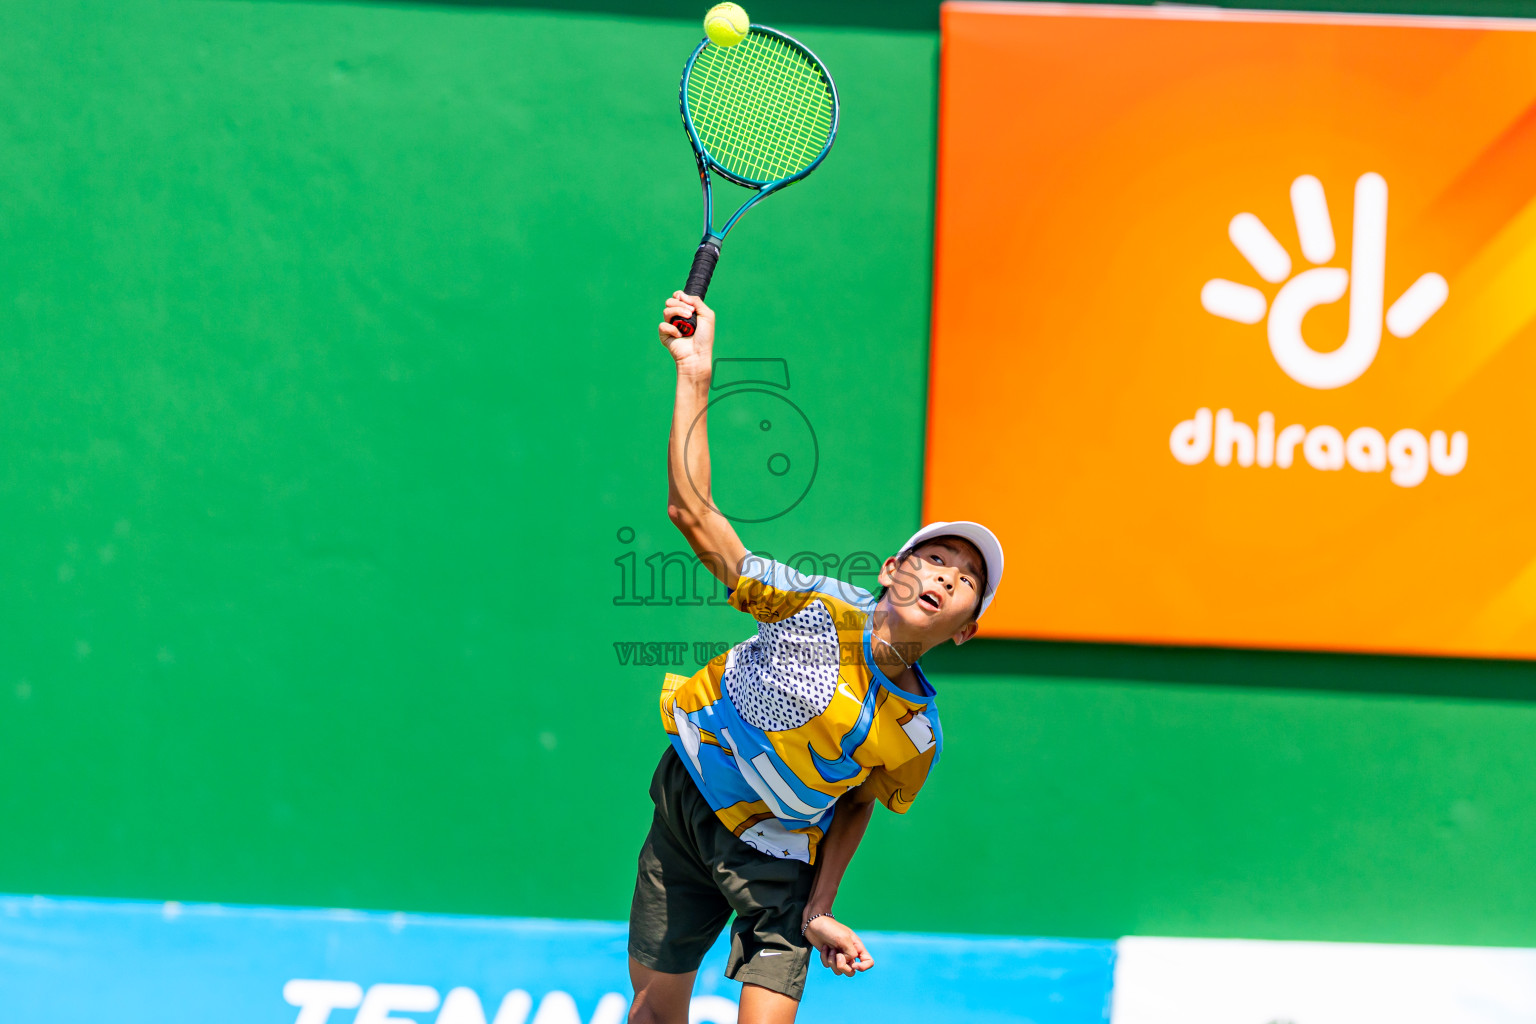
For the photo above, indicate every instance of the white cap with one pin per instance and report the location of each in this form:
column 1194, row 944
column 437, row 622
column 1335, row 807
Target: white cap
column 985, row 540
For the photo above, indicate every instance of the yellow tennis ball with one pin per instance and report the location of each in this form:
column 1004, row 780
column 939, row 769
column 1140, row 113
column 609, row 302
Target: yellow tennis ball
column 726, row 24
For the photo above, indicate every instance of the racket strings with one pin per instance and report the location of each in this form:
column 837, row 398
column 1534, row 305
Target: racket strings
column 771, row 83
column 789, row 142
column 762, row 109
column 782, row 81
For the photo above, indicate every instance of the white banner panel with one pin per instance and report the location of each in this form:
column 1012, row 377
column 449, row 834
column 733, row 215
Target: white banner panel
column 1231, row 981
column 66, row 961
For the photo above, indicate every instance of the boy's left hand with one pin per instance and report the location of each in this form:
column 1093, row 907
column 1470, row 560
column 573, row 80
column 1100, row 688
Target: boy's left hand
column 839, row 947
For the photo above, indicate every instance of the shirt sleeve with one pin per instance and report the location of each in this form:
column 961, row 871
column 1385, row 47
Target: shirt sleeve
column 771, row 591
column 897, row 787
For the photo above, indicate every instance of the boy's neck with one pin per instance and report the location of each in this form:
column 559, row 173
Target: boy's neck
column 894, row 653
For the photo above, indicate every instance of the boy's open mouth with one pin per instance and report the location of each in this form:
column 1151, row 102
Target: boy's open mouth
column 931, row 600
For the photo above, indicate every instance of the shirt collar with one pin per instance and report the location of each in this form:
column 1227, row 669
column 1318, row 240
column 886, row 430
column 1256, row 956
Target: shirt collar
column 881, row 679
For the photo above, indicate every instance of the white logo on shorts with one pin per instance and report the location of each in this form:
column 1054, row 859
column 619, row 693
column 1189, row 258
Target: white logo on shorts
column 771, row 952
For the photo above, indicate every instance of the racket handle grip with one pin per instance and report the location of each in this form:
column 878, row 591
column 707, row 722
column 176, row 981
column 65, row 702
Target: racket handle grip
column 703, row 269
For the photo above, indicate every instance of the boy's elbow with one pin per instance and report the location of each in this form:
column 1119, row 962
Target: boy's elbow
column 682, row 518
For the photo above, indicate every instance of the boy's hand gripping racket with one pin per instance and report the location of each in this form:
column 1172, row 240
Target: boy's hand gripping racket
column 761, row 113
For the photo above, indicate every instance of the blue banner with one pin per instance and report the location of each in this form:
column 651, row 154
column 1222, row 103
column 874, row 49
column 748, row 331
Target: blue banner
column 93, row 962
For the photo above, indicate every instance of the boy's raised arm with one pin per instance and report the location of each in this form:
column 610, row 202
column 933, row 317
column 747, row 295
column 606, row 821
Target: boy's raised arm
column 689, row 504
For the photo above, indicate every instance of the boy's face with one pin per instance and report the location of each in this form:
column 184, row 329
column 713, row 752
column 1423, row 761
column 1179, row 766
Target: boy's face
column 936, row 589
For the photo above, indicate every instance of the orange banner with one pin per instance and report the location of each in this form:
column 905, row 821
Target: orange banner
column 1235, row 324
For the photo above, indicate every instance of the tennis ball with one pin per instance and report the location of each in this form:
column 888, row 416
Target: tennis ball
column 726, row 24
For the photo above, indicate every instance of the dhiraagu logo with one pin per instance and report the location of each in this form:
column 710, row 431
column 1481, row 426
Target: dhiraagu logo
column 1408, row 452
column 1324, row 284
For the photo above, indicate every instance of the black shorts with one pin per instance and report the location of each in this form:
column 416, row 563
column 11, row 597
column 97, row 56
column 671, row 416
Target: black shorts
column 694, row 873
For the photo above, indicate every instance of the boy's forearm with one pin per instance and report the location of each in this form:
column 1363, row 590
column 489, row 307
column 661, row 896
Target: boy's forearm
column 836, row 851
column 689, row 502
column 688, row 485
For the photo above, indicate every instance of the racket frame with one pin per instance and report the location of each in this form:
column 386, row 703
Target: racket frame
column 709, row 246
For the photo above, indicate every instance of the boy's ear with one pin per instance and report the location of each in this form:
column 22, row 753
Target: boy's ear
column 966, row 633
column 897, row 582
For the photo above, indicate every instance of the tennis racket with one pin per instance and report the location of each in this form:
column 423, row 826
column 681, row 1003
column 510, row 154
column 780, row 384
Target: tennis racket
column 761, row 114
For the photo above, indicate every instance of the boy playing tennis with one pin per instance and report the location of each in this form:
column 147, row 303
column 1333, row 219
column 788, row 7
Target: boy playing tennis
column 781, row 746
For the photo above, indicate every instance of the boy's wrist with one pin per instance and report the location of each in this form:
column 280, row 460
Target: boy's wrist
column 818, row 915
column 817, row 908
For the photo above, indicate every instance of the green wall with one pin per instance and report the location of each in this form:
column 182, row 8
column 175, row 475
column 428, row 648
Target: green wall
column 332, row 397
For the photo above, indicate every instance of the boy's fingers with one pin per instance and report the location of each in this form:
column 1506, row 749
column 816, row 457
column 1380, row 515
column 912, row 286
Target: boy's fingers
column 699, row 303
column 668, row 330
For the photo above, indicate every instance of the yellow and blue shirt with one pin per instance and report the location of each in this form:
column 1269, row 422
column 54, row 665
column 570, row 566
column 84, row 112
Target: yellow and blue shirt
column 777, row 728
